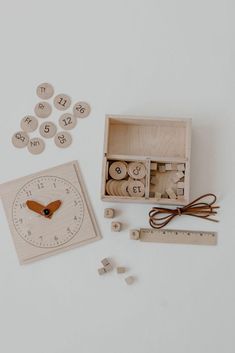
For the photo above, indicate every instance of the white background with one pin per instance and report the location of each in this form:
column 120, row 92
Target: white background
column 152, row 57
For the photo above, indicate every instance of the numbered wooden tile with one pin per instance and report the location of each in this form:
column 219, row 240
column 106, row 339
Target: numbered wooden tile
column 20, row 139
column 45, row 90
column 118, row 170
column 36, row 145
column 108, row 213
column 124, row 188
column 67, row 121
column 43, row 109
column 168, row 166
column 29, row 123
column 48, row 129
column 116, row 226
column 63, row 139
column 62, row 102
column 136, row 188
column 81, row 110
column 136, row 170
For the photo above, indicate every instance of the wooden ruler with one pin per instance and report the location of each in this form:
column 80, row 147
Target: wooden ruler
column 175, row 236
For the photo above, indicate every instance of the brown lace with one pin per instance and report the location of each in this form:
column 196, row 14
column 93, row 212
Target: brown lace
column 196, row 208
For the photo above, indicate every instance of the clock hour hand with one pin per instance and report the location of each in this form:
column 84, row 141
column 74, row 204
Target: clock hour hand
column 35, row 206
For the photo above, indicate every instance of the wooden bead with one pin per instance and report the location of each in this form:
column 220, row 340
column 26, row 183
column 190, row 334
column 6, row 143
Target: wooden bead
column 108, row 212
column 116, row 226
column 36, row 145
column 29, row 123
column 48, row 129
column 81, row 110
column 67, row 121
column 42, row 109
column 20, row 139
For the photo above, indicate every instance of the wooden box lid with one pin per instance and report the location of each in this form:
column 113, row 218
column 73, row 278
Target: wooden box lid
column 148, row 137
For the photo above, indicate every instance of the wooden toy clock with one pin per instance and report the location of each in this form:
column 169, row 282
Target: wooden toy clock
column 49, row 212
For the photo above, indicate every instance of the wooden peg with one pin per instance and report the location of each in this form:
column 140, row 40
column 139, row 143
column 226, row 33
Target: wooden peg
column 108, row 268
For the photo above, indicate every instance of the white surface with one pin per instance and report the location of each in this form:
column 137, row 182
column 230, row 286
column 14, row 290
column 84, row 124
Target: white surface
column 159, row 58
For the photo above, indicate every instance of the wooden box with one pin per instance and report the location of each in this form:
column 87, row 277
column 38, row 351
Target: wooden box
column 162, row 145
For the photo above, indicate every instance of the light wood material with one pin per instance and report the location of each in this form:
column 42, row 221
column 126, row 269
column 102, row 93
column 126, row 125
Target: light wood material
column 81, row 109
column 108, row 213
column 45, row 90
column 67, row 121
column 129, row 280
column 62, row 101
column 36, row 145
column 43, row 109
column 29, row 123
column 72, row 225
column 163, row 141
column 177, row 236
column 48, row 129
column 121, row 269
column 20, row 139
column 105, row 261
column 116, row 226
column 63, row 139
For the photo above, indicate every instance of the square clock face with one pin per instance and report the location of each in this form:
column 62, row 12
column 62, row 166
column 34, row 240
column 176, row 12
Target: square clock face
column 49, row 212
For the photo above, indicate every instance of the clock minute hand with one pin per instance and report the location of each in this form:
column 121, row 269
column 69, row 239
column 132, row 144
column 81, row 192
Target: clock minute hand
column 53, row 206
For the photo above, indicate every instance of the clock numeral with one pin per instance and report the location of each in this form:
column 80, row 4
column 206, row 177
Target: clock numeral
column 28, row 193
column 67, row 191
column 40, row 186
column 22, row 205
column 56, row 238
column 29, row 233
column 75, row 203
column 75, row 218
column 20, row 220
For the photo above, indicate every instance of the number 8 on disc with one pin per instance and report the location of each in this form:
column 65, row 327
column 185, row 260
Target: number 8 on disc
column 118, row 170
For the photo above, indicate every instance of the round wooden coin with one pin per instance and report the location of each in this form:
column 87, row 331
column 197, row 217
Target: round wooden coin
column 136, row 170
column 20, row 139
column 81, row 109
column 63, row 139
column 107, row 186
column 36, row 145
column 45, row 90
column 124, row 188
column 48, row 129
column 118, row 170
column 42, row 109
column 136, row 188
column 67, row 121
column 62, row 101
column 29, row 123
column 116, row 187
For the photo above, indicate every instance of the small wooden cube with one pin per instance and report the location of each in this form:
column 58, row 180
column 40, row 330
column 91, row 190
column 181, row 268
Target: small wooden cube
column 101, row 271
column 162, row 168
column 180, row 167
column 121, row 269
column 158, row 195
column 105, row 261
column 116, row 226
column 108, row 268
column 108, row 212
column 168, row 166
column 180, row 185
column 134, row 234
column 153, row 180
column 171, row 193
column 129, row 279
column 180, row 192
column 153, row 166
column 174, row 167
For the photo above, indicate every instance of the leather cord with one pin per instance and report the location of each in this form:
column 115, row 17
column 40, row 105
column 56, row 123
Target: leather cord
column 197, row 208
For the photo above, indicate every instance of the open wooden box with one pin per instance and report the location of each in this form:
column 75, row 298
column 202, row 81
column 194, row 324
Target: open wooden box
column 159, row 144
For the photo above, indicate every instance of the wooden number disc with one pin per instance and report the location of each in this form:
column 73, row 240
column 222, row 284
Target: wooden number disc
column 42, row 109
column 67, row 121
column 45, row 90
column 118, row 170
column 36, row 145
column 20, row 139
column 124, row 188
column 62, row 102
column 48, row 129
column 63, row 139
column 136, row 188
column 107, row 186
column 136, row 170
column 81, row 109
column 29, row 123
